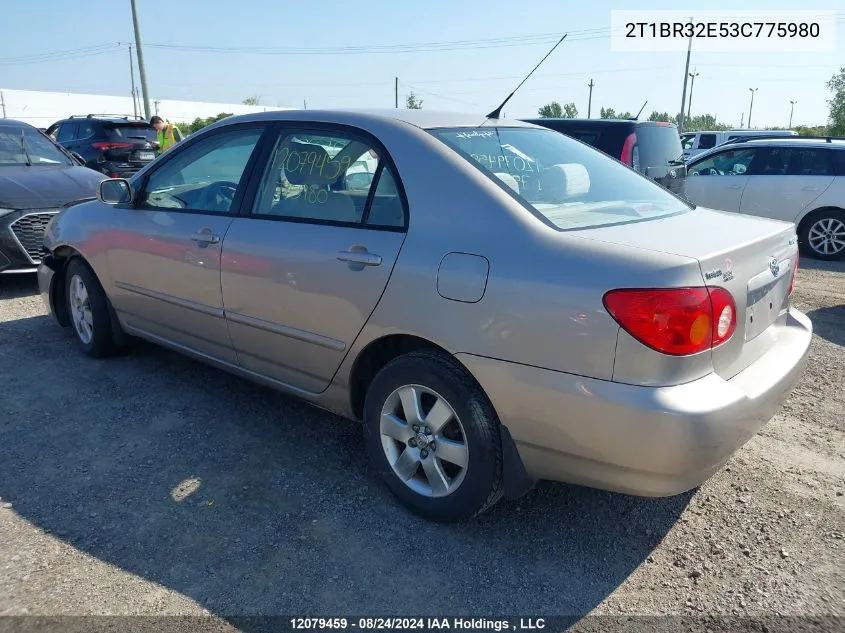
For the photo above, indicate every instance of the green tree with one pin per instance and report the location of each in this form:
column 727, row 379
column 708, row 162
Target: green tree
column 701, row 122
column 818, row 130
column 661, row 116
column 625, row 115
column 608, row 113
column 569, row 111
column 837, row 103
column 198, row 123
column 551, row 111
column 253, row 100
column 412, row 102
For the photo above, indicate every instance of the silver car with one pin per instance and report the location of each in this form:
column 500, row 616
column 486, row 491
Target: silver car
column 497, row 303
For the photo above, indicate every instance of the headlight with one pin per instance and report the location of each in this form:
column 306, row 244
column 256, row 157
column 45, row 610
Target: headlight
column 5, row 212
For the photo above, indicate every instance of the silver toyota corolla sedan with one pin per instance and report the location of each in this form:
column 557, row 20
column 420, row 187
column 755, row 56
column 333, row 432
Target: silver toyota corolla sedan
column 496, row 302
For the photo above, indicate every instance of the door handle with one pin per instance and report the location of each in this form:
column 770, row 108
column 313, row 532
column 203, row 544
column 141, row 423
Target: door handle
column 205, row 238
column 810, row 189
column 361, row 258
column 734, row 186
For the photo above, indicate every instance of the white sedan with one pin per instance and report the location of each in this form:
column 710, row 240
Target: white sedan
column 799, row 180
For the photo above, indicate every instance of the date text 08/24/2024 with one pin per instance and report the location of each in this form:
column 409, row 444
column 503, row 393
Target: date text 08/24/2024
column 423, row 624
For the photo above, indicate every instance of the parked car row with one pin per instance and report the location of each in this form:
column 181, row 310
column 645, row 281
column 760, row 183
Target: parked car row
column 618, row 337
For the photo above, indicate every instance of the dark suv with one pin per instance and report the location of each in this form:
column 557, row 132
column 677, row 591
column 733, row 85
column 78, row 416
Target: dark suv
column 653, row 148
column 114, row 145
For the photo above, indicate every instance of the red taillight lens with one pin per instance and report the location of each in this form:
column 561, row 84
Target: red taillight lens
column 794, row 272
column 675, row 321
column 627, row 155
column 110, row 145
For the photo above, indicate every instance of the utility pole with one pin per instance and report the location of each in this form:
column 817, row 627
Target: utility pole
column 684, row 93
column 791, row 108
column 751, row 107
column 304, row 104
column 396, row 92
column 132, row 79
column 3, row 104
column 742, row 120
column 590, row 98
column 156, row 102
column 141, row 71
column 692, row 75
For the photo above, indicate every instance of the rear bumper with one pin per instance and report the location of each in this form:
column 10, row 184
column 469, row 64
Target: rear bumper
column 647, row 441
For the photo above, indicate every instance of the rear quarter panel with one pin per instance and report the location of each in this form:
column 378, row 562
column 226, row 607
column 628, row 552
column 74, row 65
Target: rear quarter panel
column 542, row 305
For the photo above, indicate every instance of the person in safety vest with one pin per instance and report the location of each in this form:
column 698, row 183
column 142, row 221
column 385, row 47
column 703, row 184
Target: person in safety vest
column 168, row 134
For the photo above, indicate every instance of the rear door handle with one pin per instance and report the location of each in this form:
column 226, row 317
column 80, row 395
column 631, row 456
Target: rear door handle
column 361, row 258
column 205, row 238
column 810, row 189
column 734, row 186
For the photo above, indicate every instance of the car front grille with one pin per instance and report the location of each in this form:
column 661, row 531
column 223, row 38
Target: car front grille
column 29, row 232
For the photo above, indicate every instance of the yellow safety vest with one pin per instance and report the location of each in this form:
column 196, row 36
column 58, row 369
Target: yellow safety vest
column 166, row 138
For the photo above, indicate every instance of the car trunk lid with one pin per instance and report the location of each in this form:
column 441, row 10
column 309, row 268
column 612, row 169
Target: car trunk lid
column 130, row 143
column 750, row 257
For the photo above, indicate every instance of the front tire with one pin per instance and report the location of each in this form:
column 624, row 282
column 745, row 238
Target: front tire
column 88, row 310
column 433, row 437
column 823, row 235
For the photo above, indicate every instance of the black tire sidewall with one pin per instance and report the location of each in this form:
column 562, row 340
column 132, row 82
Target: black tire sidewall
column 804, row 238
column 482, row 480
column 101, row 343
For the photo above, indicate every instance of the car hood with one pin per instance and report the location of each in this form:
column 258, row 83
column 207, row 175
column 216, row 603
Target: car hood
column 40, row 187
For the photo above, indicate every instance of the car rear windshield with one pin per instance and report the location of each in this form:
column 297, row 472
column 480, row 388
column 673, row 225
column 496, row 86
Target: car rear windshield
column 132, row 132
column 567, row 183
column 659, row 145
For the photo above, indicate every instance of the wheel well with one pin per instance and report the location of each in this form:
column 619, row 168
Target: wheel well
column 802, row 224
column 375, row 356
column 61, row 256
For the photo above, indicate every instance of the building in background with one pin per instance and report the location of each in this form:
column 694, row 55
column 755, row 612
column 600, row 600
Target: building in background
column 40, row 108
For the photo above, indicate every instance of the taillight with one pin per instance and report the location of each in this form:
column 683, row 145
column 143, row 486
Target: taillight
column 108, row 145
column 674, row 321
column 627, row 155
column 794, row 272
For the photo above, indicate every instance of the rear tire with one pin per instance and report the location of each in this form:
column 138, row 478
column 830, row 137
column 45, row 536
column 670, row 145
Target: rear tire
column 88, row 311
column 822, row 236
column 450, row 467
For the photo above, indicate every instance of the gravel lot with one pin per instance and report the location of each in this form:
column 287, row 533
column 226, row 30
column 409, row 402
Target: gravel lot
column 152, row 484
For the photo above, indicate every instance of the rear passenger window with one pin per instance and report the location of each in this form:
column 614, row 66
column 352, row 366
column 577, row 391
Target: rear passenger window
column 797, row 161
column 329, row 178
column 706, row 141
column 85, row 130
column 839, row 160
column 65, row 132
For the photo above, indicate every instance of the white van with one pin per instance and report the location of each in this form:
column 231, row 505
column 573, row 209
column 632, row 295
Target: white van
column 696, row 142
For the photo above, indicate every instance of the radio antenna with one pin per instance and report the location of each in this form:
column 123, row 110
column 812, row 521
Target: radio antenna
column 637, row 118
column 495, row 113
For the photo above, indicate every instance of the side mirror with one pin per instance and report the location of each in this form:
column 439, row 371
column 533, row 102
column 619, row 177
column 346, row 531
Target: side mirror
column 115, row 191
column 78, row 157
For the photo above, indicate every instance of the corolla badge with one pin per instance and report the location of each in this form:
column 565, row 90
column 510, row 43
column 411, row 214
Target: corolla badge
column 774, row 267
column 673, row 174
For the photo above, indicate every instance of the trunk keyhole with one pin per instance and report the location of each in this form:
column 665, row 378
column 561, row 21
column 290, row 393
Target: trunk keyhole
column 752, row 319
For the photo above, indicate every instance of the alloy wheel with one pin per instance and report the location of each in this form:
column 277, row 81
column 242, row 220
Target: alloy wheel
column 80, row 308
column 827, row 236
column 424, row 441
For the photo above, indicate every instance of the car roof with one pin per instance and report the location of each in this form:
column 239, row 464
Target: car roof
column 789, row 142
column 425, row 119
column 14, row 123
